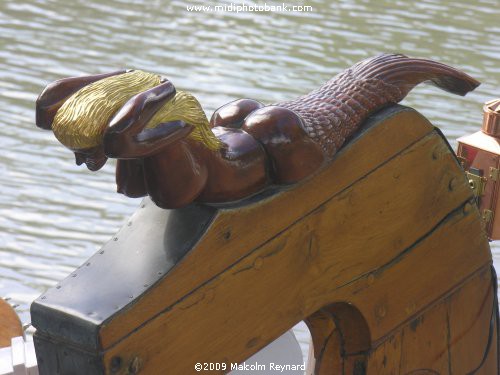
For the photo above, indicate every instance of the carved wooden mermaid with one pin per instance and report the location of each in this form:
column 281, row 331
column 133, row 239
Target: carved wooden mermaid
column 166, row 147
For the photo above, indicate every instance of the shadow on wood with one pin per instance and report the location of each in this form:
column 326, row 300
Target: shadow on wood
column 381, row 253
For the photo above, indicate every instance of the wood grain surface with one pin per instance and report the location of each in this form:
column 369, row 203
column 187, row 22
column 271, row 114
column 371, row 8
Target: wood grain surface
column 381, row 253
column 10, row 325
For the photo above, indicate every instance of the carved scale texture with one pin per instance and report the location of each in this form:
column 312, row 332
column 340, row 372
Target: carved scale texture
column 332, row 113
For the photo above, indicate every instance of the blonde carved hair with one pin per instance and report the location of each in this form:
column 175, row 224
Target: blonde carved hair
column 184, row 106
column 81, row 121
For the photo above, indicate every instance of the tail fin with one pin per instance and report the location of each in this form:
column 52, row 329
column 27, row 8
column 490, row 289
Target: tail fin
column 406, row 73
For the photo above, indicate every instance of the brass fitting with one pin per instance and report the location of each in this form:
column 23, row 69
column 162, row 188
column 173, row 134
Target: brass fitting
column 491, row 119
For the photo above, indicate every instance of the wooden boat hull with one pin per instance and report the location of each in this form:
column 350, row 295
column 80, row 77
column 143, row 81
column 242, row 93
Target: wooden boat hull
column 382, row 253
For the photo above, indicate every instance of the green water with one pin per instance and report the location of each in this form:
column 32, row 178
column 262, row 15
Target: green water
column 53, row 215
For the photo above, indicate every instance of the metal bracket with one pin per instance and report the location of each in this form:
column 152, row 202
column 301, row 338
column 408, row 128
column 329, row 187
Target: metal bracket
column 494, row 173
column 487, row 215
column 476, row 182
column 462, row 161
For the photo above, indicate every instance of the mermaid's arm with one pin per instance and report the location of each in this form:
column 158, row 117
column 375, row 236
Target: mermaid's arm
column 55, row 94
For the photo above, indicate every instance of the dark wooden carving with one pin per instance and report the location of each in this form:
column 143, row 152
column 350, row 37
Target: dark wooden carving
column 250, row 146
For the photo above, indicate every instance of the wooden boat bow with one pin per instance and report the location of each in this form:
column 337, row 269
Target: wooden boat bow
column 381, row 253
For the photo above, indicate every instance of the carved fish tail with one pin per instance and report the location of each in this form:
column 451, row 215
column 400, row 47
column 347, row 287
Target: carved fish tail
column 332, row 113
column 406, row 73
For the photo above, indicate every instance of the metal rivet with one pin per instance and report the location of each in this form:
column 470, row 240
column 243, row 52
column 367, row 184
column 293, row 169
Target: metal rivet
column 453, row 184
column 101, row 252
column 88, row 264
column 129, row 223
column 73, row 275
column 436, row 152
column 116, row 364
column 227, row 235
column 258, row 262
column 58, row 287
column 410, row 308
column 115, row 239
column 135, row 366
column 380, row 312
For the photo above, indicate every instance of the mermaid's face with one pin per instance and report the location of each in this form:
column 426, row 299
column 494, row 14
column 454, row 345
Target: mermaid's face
column 93, row 157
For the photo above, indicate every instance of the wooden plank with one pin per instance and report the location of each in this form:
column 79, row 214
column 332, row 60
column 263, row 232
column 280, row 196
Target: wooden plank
column 469, row 323
column 10, row 325
column 228, row 239
column 325, row 258
column 424, row 343
column 341, row 339
column 385, row 359
column 189, row 328
column 492, row 363
column 326, row 345
column 446, row 338
column 424, row 273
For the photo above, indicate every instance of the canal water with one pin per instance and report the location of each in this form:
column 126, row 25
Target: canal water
column 54, row 215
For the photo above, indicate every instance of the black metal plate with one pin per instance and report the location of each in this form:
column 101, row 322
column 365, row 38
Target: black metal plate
column 140, row 254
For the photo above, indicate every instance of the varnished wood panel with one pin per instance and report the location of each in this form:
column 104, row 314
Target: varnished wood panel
column 450, row 337
column 326, row 345
column 386, row 358
column 390, row 244
column 424, row 343
column 341, row 339
column 469, row 317
column 236, row 232
column 396, row 292
column 10, row 325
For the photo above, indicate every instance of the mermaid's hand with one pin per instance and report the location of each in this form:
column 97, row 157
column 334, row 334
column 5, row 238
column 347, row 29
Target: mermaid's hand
column 56, row 93
column 54, row 96
column 127, row 136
